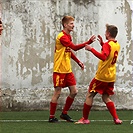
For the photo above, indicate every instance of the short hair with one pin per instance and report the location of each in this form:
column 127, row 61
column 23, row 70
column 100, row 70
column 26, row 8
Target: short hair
column 66, row 19
column 112, row 29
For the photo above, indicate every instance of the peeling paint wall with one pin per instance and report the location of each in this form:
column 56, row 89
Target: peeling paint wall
column 30, row 29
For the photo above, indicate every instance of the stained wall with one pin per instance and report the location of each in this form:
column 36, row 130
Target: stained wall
column 27, row 47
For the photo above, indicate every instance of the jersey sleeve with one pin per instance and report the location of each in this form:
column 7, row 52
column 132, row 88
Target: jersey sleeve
column 65, row 41
column 104, row 53
column 73, row 56
column 106, row 49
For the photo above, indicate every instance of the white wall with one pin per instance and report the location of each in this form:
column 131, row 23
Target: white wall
column 30, row 29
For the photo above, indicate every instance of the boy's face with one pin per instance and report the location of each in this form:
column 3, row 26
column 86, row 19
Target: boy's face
column 70, row 25
column 1, row 28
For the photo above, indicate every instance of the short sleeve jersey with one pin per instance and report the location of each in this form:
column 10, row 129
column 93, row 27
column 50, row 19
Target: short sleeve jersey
column 107, row 69
column 62, row 55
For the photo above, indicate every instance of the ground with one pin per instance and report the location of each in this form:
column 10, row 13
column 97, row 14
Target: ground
column 37, row 122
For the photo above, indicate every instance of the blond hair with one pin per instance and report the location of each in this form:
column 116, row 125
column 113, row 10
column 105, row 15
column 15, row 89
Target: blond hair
column 66, row 19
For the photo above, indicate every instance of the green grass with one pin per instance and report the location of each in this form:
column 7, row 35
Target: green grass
column 39, row 126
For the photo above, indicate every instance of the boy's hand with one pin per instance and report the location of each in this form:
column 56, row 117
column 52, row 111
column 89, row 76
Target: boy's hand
column 100, row 40
column 88, row 47
column 81, row 65
column 92, row 39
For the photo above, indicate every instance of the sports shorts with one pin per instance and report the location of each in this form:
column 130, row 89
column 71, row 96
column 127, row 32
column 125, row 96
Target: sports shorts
column 63, row 80
column 101, row 87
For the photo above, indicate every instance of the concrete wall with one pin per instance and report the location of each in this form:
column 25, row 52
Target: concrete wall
column 30, row 29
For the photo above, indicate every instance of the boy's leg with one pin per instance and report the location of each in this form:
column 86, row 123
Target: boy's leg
column 86, row 108
column 69, row 101
column 68, row 104
column 112, row 110
column 88, row 104
column 52, row 109
column 53, row 104
column 111, row 107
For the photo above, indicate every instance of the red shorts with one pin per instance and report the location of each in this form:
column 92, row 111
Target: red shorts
column 63, row 80
column 101, row 87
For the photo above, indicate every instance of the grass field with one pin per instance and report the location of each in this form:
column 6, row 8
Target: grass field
column 37, row 122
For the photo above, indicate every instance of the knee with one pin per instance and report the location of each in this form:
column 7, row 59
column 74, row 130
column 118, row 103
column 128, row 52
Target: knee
column 90, row 95
column 73, row 94
column 105, row 99
column 56, row 95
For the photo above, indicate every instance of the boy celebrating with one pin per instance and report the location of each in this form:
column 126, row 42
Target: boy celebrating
column 63, row 75
column 103, row 82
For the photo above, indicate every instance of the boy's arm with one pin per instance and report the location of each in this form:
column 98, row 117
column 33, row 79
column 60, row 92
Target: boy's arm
column 103, row 55
column 75, row 47
column 77, row 60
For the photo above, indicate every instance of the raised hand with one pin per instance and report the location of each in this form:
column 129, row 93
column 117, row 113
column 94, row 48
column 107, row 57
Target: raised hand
column 92, row 39
column 100, row 40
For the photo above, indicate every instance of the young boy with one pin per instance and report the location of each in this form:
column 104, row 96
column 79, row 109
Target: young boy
column 105, row 77
column 63, row 75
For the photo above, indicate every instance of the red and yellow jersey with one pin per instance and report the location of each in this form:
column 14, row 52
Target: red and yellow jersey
column 107, row 69
column 62, row 55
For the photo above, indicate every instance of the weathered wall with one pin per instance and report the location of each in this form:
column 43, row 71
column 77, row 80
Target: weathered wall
column 30, row 29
